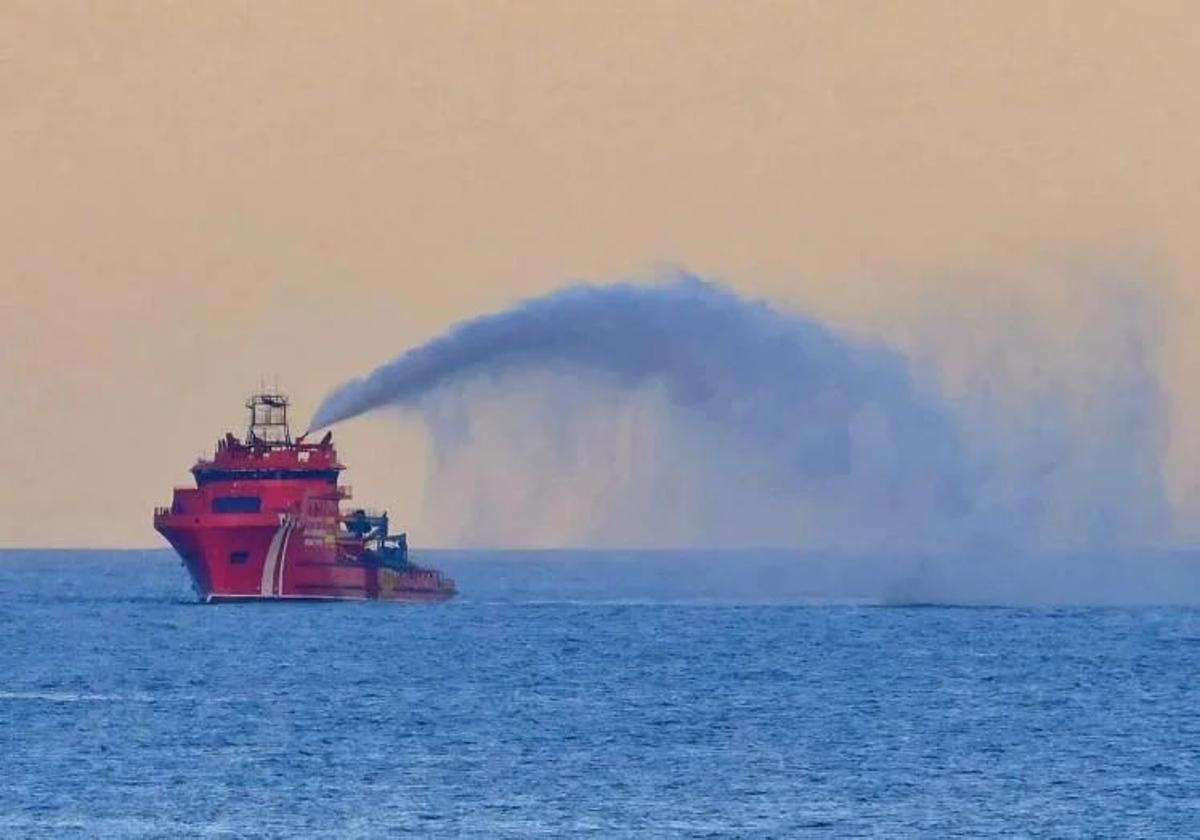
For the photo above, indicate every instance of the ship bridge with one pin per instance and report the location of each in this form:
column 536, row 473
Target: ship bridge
column 268, row 451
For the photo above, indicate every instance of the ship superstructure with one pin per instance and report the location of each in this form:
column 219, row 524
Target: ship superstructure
column 265, row 521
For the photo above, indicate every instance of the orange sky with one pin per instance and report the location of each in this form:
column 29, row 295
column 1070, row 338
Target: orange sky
column 197, row 195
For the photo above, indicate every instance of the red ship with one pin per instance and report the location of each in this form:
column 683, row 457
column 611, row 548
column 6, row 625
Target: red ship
column 264, row 521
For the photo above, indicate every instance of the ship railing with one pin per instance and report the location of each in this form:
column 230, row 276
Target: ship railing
column 162, row 511
column 369, row 513
column 340, row 492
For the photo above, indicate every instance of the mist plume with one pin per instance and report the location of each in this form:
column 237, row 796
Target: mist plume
column 681, row 413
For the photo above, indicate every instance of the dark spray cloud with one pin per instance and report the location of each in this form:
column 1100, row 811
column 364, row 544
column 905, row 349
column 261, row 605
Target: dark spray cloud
column 681, row 413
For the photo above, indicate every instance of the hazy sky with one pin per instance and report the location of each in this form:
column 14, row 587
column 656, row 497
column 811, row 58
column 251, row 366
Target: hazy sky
column 198, row 195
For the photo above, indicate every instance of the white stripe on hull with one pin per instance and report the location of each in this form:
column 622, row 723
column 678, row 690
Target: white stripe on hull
column 283, row 555
column 267, row 586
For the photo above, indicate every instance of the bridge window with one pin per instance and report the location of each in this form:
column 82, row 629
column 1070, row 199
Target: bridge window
column 237, row 558
column 236, row 504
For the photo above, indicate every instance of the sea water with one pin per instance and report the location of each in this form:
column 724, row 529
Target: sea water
column 585, row 695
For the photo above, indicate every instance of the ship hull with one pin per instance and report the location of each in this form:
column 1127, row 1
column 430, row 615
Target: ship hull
column 267, row 557
column 405, row 598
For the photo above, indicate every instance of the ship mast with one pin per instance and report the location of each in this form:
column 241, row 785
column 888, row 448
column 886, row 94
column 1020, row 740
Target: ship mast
column 268, row 420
